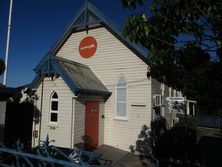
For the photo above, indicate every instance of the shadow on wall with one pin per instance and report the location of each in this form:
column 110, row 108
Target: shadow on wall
column 147, row 138
column 174, row 147
column 88, row 142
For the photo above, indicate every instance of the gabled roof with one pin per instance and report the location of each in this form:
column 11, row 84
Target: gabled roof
column 87, row 18
column 79, row 77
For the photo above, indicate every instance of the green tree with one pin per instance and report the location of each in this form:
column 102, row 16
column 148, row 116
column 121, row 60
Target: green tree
column 184, row 39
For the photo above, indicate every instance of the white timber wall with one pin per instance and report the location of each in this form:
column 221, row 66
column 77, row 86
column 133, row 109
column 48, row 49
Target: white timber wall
column 79, row 121
column 62, row 133
column 155, row 89
column 168, row 113
column 111, row 60
column 101, row 122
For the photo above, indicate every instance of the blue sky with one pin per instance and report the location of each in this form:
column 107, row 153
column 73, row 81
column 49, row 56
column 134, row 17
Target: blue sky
column 36, row 26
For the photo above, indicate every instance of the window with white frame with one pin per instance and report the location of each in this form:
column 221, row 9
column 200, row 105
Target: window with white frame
column 54, row 104
column 158, row 100
column 121, row 98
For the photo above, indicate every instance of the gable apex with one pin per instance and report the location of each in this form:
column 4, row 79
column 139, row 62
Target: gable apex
column 86, row 18
column 90, row 17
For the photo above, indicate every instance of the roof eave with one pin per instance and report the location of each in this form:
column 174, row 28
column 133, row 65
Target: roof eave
column 104, row 94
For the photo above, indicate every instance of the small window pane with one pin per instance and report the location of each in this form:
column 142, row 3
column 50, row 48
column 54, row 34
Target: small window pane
column 54, row 105
column 121, row 110
column 121, row 82
column 55, row 96
column 121, row 94
column 54, row 117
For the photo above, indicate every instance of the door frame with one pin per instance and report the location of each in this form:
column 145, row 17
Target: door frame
column 95, row 138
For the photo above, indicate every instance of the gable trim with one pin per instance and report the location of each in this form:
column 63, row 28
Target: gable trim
column 140, row 52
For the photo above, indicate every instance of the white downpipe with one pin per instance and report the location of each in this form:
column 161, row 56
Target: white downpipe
column 7, row 44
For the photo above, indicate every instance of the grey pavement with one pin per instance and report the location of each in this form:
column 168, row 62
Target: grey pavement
column 118, row 158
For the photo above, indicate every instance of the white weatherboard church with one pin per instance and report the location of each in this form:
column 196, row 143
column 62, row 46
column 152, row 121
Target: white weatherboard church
column 93, row 87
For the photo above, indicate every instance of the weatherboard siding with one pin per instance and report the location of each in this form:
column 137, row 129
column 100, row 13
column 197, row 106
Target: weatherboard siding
column 167, row 112
column 101, row 122
column 156, row 90
column 79, row 121
column 112, row 59
column 62, row 132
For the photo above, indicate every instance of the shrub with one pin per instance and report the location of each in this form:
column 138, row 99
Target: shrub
column 178, row 143
column 189, row 122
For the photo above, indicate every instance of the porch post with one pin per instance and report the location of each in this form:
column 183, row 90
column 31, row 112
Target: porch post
column 194, row 109
column 188, row 108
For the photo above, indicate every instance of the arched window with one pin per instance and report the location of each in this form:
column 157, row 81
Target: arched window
column 121, row 97
column 54, row 104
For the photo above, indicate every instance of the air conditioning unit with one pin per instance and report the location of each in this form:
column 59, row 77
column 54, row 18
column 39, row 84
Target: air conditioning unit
column 158, row 100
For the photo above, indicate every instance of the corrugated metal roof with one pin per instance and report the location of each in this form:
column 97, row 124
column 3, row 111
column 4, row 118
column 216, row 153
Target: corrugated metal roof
column 79, row 77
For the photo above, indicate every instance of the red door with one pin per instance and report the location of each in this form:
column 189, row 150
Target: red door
column 91, row 125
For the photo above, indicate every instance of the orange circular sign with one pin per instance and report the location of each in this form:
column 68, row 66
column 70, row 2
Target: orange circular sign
column 87, row 47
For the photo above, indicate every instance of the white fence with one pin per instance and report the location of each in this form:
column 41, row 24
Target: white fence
column 209, row 121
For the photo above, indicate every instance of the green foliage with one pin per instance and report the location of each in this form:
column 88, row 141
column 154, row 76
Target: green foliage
column 132, row 3
column 176, row 147
column 189, row 122
column 182, row 36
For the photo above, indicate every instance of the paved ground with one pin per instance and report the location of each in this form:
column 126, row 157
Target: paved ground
column 119, row 158
column 110, row 155
column 132, row 160
column 210, row 146
column 211, row 132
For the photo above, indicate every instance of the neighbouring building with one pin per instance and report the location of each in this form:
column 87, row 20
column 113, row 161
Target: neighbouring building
column 16, row 113
column 5, row 94
column 92, row 87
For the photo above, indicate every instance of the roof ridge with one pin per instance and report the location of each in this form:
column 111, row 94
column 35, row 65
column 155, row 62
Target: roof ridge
column 70, row 61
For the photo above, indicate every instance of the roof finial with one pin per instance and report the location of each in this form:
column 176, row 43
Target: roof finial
column 86, row 17
column 86, row 3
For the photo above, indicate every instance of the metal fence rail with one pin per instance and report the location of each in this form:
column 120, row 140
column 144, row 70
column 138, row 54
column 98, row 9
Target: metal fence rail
column 27, row 159
column 45, row 156
column 23, row 159
column 209, row 121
